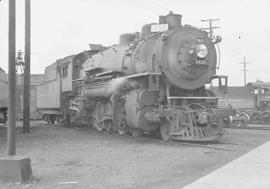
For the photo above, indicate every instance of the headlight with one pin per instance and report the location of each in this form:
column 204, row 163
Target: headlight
column 201, row 51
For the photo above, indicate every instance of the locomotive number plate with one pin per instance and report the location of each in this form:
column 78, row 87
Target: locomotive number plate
column 200, row 62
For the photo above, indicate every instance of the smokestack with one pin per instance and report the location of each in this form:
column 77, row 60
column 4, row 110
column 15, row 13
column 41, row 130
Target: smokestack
column 173, row 20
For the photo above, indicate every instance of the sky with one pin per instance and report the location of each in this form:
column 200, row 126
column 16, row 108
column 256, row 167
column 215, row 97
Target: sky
column 64, row 27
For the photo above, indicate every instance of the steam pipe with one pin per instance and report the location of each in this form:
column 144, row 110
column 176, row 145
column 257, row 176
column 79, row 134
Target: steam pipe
column 105, row 91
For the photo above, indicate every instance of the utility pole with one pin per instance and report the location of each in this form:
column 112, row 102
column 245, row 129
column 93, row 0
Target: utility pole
column 245, row 70
column 26, row 89
column 13, row 169
column 211, row 28
column 11, row 142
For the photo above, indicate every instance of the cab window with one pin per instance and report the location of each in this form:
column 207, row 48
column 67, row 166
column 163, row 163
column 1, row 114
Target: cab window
column 65, row 71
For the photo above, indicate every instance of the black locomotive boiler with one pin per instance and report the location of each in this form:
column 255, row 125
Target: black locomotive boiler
column 151, row 82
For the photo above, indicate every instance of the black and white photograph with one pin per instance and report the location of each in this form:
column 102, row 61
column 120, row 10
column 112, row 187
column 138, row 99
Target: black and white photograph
column 133, row 94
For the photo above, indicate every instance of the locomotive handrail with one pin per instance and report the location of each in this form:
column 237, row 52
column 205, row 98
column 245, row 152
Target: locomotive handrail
column 192, row 97
column 142, row 74
column 202, row 106
column 144, row 38
column 80, row 79
column 94, row 70
column 108, row 72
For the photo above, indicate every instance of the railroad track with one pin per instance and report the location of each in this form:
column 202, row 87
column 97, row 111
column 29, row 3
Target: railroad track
column 251, row 127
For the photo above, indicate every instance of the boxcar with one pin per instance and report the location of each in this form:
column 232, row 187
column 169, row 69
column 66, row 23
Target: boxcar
column 3, row 96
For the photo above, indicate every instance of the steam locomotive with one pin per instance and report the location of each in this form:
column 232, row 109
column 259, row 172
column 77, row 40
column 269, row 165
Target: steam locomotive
column 152, row 82
column 3, row 96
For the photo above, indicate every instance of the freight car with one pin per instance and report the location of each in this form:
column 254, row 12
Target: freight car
column 151, row 82
column 260, row 112
column 35, row 79
column 3, row 96
column 251, row 102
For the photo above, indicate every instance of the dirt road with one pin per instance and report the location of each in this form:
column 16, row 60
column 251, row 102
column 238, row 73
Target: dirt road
column 83, row 158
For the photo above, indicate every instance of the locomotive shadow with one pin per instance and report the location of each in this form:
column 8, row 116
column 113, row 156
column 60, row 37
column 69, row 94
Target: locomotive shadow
column 152, row 139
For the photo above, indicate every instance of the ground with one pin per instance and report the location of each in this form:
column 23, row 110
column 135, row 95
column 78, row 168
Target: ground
column 84, row 158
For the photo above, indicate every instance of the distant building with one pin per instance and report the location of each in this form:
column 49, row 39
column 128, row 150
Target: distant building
column 35, row 80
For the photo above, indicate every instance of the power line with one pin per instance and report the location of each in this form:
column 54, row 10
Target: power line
column 211, row 27
column 245, row 70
